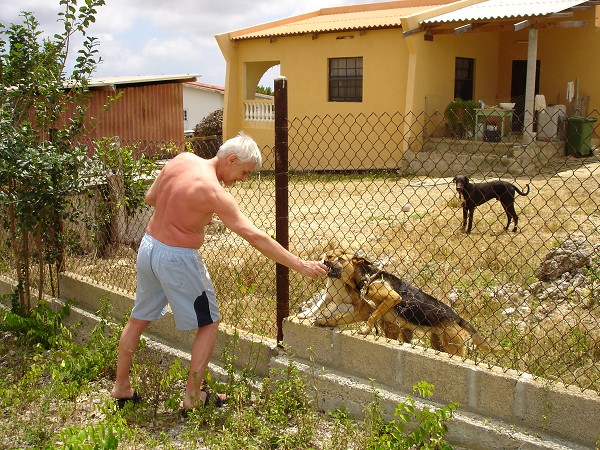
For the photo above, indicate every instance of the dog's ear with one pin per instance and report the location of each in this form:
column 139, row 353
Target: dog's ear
column 332, row 244
column 360, row 261
column 342, row 244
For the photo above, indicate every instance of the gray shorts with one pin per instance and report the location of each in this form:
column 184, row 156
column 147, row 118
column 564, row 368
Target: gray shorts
column 177, row 276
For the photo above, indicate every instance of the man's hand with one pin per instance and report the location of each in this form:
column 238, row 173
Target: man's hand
column 313, row 269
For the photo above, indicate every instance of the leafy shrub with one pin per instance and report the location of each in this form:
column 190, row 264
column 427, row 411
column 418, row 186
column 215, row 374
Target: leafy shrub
column 211, row 125
column 92, row 437
column 41, row 325
column 412, row 428
column 115, row 159
column 460, row 116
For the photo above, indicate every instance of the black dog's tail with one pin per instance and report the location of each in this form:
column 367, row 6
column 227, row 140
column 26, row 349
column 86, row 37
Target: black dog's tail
column 523, row 193
column 479, row 339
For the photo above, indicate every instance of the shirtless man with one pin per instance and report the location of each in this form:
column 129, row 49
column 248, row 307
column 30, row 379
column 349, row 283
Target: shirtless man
column 185, row 195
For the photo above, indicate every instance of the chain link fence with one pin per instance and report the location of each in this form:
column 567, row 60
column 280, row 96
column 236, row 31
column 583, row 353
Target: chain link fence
column 535, row 291
column 383, row 185
column 205, row 146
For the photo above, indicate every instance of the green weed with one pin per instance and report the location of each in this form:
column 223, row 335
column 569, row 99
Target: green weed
column 43, row 389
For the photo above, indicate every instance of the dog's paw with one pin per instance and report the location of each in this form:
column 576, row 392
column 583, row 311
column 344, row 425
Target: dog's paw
column 364, row 330
column 304, row 315
column 321, row 322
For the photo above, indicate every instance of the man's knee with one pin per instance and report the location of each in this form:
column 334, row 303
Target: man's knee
column 135, row 327
column 210, row 327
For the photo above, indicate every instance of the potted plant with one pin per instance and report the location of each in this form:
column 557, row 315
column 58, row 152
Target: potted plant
column 460, row 117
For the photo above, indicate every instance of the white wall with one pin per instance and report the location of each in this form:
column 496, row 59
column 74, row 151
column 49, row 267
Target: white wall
column 199, row 100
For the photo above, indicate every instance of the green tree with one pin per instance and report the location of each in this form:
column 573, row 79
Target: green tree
column 211, row 125
column 267, row 90
column 41, row 114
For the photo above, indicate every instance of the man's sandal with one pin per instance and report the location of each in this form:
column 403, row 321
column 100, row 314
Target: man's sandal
column 210, row 399
column 135, row 399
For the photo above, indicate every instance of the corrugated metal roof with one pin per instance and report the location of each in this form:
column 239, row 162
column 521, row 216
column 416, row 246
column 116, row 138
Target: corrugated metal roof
column 504, row 9
column 357, row 17
column 144, row 79
column 110, row 82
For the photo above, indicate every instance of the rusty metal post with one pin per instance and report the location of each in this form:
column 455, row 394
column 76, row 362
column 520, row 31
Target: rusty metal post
column 282, row 273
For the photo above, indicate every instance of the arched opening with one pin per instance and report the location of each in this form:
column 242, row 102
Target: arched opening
column 260, row 73
column 268, row 79
column 258, row 106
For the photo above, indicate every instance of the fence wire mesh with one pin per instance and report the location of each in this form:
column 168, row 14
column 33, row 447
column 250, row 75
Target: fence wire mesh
column 384, row 187
column 534, row 292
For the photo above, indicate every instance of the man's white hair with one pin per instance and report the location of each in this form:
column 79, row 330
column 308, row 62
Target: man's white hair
column 243, row 147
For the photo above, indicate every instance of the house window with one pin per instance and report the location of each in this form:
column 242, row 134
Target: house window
column 463, row 78
column 345, row 79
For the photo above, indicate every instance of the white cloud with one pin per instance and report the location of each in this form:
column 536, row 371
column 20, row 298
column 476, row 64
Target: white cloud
column 157, row 37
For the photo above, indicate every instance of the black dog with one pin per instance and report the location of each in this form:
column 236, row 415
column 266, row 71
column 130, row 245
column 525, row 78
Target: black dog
column 475, row 194
column 401, row 309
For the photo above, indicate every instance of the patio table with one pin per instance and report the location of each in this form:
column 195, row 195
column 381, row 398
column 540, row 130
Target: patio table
column 486, row 113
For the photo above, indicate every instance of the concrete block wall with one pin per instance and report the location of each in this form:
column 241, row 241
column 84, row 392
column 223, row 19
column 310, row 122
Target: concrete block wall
column 498, row 409
column 511, row 399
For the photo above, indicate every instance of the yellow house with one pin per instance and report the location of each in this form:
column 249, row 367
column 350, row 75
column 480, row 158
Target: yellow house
column 413, row 57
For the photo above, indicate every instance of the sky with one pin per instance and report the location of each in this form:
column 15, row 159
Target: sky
column 158, row 37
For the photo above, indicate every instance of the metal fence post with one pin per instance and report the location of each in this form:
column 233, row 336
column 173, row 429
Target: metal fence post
column 282, row 273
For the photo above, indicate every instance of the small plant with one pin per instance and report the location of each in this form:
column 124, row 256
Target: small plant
column 41, row 325
column 93, row 437
column 460, row 117
column 413, row 428
column 159, row 386
column 285, row 397
column 344, row 428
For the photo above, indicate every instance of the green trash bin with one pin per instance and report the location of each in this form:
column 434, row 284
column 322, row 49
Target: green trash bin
column 579, row 135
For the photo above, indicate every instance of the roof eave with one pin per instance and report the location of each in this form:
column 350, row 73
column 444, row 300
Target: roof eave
column 317, row 32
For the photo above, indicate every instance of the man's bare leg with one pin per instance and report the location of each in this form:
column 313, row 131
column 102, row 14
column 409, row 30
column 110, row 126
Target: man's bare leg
column 202, row 350
column 128, row 343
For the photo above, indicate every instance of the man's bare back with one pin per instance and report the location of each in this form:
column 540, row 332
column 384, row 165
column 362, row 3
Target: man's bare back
column 183, row 196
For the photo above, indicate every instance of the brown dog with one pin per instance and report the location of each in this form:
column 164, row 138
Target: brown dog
column 341, row 304
column 380, row 297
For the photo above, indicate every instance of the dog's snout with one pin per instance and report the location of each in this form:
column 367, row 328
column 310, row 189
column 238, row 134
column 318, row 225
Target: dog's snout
column 328, row 265
column 332, row 270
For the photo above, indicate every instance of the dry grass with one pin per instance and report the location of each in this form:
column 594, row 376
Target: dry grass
column 426, row 246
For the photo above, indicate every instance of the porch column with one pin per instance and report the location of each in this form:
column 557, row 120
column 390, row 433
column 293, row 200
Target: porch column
column 530, row 86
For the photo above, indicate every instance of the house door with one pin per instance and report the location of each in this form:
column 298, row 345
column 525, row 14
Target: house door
column 517, row 90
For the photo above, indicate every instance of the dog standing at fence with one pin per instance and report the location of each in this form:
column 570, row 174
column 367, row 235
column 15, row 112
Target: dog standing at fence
column 358, row 290
column 340, row 304
column 474, row 194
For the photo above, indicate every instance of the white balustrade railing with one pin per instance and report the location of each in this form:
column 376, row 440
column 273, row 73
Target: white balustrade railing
column 259, row 110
